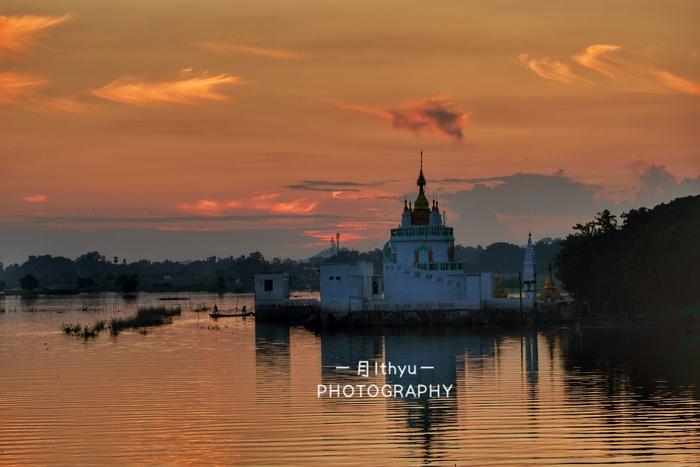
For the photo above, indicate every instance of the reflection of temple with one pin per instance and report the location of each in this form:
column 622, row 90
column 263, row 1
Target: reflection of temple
column 272, row 357
column 532, row 359
column 345, row 349
column 424, row 419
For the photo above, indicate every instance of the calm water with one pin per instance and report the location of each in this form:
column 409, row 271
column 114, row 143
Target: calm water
column 236, row 392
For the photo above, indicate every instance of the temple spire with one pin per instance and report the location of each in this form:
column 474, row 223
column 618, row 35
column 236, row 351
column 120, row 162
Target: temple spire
column 421, row 207
column 421, row 178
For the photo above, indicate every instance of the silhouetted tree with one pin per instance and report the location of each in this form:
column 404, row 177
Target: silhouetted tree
column 84, row 282
column 649, row 263
column 28, row 282
column 128, row 283
column 91, row 264
column 221, row 285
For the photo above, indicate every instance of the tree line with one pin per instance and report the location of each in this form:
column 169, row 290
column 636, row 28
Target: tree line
column 94, row 271
column 646, row 262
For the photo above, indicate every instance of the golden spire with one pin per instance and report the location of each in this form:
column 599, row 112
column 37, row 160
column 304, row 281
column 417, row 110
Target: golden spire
column 421, row 178
column 550, row 292
column 421, row 208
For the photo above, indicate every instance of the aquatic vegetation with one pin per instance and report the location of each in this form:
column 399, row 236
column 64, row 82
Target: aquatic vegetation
column 146, row 316
column 69, row 328
column 84, row 331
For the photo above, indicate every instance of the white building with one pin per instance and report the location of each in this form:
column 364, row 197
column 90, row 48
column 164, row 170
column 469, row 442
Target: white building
column 271, row 288
column 347, row 287
column 419, row 271
column 419, row 261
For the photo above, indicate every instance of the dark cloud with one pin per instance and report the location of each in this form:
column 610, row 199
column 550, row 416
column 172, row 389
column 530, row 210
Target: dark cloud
column 553, row 199
column 657, row 185
column 334, row 185
column 548, row 204
column 535, row 193
column 431, row 115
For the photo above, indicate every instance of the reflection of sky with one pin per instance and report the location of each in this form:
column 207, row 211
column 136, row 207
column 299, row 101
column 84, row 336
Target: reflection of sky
column 239, row 392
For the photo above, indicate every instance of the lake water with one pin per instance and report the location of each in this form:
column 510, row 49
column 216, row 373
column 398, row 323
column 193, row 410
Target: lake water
column 234, row 391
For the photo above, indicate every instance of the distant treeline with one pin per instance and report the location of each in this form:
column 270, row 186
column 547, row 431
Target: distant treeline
column 96, row 272
column 645, row 262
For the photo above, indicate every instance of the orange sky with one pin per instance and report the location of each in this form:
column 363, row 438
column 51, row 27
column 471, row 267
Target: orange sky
column 287, row 121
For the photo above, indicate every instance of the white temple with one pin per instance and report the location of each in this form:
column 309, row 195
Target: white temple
column 529, row 276
column 419, row 270
column 419, row 261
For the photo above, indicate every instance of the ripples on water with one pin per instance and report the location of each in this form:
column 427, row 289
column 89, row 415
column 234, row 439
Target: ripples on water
column 230, row 392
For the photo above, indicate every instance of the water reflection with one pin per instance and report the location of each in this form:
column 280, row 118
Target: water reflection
column 272, row 361
column 241, row 392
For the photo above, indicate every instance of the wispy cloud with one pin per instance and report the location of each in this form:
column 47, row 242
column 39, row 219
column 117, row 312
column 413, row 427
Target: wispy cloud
column 184, row 90
column 551, row 69
column 16, row 86
column 35, row 198
column 600, row 57
column 209, row 207
column 682, row 85
column 433, row 115
column 17, row 33
column 297, row 206
column 62, row 104
column 269, row 203
column 267, row 52
column 625, row 70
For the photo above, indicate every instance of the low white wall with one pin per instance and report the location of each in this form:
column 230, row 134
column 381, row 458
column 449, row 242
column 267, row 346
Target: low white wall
column 508, row 303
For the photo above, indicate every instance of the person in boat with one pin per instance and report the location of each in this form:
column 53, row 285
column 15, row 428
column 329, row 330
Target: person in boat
column 216, row 310
column 243, row 310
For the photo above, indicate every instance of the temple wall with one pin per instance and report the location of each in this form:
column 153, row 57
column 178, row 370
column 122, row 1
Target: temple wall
column 405, row 250
column 345, row 287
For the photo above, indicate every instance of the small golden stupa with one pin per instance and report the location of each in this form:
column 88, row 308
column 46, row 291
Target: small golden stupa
column 498, row 290
column 550, row 292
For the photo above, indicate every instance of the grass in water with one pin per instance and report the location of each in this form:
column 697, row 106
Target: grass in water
column 148, row 316
column 85, row 331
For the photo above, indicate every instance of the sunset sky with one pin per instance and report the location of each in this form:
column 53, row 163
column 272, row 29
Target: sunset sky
column 185, row 129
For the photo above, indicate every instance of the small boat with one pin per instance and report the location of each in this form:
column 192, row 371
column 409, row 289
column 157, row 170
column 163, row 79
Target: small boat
column 232, row 313
column 237, row 314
